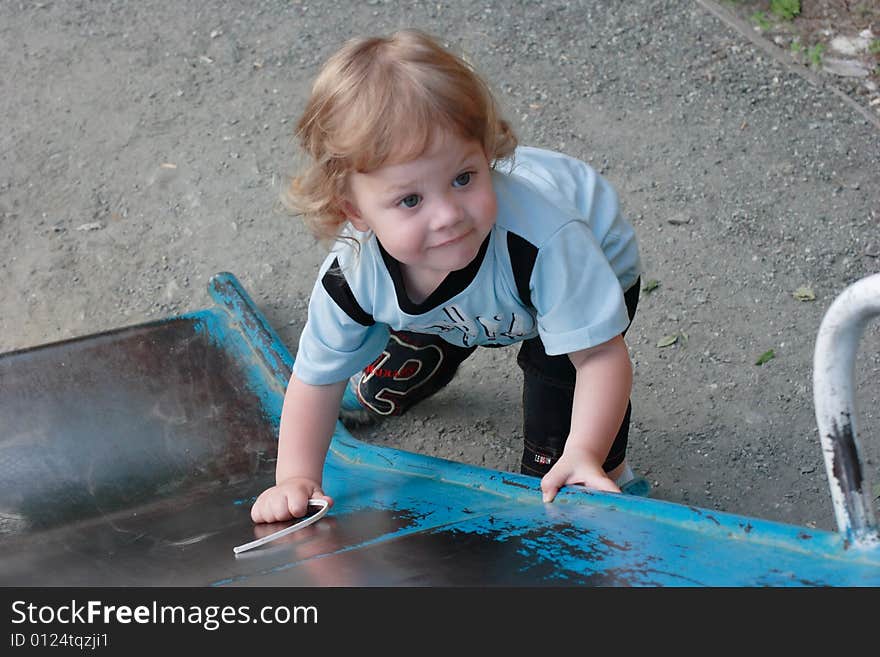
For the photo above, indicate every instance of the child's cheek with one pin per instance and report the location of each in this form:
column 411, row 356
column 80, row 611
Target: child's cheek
column 490, row 209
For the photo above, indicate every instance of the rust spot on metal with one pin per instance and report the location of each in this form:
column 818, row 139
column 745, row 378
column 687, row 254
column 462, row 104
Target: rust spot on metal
column 616, row 546
column 845, row 463
column 804, row 536
column 518, row 484
column 700, row 512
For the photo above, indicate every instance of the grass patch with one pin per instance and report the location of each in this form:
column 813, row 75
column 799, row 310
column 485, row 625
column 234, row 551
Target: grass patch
column 760, row 19
column 785, row 9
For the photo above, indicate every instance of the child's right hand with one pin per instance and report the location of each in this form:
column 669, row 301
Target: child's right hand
column 287, row 499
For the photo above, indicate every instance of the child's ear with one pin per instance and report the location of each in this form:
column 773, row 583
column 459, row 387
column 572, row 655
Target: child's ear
column 353, row 216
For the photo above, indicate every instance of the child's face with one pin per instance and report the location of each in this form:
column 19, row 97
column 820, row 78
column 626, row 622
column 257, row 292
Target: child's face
column 431, row 213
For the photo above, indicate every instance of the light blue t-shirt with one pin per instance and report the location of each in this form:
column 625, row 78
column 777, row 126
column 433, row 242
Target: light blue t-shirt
column 556, row 217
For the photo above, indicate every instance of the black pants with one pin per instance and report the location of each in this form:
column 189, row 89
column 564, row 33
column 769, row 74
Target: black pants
column 548, row 399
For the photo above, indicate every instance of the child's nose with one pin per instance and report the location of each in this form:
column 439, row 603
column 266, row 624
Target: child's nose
column 448, row 212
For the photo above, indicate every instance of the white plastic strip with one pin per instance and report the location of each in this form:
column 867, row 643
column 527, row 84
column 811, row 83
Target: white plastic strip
column 305, row 522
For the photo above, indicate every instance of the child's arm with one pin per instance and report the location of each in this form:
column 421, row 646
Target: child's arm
column 308, row 418
column 601, row 394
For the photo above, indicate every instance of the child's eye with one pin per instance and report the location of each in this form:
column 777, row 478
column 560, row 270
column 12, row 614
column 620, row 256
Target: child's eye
column 462, row 179
column 410, row 201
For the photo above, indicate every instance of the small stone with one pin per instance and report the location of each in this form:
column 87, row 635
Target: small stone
column 845, row 68
column 850, row 45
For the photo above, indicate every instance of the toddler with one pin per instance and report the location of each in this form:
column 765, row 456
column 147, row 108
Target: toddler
column 446, row 235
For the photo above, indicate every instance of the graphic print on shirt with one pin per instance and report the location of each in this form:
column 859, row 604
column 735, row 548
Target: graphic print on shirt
column 501, row 329
column 400, row 373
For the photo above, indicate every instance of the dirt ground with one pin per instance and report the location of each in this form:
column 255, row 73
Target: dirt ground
column 145, row 145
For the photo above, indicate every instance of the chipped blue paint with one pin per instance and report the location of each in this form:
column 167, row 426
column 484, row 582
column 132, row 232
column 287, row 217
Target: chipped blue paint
column 585, row 536
column 228, row 292
column 526, row 490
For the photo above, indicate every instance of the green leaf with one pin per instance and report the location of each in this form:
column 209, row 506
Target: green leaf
column 651, row 285
column 667, row 341
column 763, row 358
column 804, row 294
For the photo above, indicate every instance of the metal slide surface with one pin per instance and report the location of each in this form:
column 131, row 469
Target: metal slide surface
column 132, row 457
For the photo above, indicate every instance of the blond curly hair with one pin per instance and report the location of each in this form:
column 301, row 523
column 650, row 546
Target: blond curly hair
column 378, row 100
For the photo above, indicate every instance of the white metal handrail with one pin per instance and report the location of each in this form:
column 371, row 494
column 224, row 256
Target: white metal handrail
column 834, row 360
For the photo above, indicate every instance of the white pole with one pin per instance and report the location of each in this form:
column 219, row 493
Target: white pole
column 833, row 394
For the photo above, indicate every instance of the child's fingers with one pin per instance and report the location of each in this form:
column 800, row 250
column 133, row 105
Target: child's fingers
column 258, row 510
column 281, row 503
column 298, row 505
column 263, row 511
column 321, row 495
column 279, row 508
column 272, row 506
column 551, row 483
column 295, row 505
column 557, row 478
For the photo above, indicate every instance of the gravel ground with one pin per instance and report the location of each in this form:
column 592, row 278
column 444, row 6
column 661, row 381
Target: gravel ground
column 146, row 144
column 834, row 42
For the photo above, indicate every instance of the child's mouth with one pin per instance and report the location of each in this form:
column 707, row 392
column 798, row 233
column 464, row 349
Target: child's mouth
column 454, row 240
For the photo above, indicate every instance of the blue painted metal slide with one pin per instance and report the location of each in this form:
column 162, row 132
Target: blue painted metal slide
column 132, row 457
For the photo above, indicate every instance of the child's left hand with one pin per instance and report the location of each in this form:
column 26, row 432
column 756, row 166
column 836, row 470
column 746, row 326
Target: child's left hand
column 575, row 469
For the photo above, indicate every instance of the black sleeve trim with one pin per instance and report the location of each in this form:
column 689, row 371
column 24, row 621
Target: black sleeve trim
column 337, row 287
column 522, row 259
